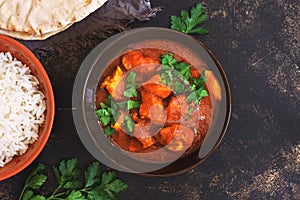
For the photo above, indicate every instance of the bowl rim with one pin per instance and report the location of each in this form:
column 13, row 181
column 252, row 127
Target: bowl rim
column 77, row 105
column 51, row 110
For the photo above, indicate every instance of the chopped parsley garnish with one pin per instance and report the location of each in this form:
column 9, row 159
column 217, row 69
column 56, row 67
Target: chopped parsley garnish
column 190, row 22
column 104, row 114
column 184, row 69
column 190, row 110
column 109, row 130
column 179, row 88
column 168, row 59
column 197, row 95
column 109, row 113
column 131, row 84
column 132, row 104
column 166, row 75
column 128, row 124
column 177, row 75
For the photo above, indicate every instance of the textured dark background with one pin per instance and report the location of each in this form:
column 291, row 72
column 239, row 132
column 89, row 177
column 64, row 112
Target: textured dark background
column 258, row 44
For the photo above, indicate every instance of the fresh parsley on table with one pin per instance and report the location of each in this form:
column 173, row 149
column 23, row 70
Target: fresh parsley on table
column 96, row 185
column 190, row 22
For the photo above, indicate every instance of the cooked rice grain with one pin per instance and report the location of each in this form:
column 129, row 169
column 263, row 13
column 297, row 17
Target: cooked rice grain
column 22, row 107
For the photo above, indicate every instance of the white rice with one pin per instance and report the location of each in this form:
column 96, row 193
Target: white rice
column 22, row 107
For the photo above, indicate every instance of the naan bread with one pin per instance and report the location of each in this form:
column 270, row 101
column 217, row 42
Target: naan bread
column 40, row 19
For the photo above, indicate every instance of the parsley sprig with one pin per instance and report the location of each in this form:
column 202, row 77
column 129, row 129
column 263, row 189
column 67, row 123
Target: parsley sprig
column 173, row 70
column 190, row 22
column 109, row 113
column 96, row 185
column 34, row 181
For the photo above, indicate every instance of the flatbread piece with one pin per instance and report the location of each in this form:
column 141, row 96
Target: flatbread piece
column 40, row 19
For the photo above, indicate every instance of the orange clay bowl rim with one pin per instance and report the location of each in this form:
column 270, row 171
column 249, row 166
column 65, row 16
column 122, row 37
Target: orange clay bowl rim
column 50, row 109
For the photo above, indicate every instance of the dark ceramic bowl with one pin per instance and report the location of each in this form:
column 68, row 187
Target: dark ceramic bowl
column 22, row 53
column 93, row 68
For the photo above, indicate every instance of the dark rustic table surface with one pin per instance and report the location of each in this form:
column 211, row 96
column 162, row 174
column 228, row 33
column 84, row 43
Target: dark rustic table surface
column 258, row 44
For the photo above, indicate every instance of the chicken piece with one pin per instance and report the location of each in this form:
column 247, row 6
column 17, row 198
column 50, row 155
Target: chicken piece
column 142, row 133
column 135, row 58
column 114, row 84
column 177, row 109
column 213, row 85
column 152, row 108
column 176, row 137
column 155, row 87
column 134, row 145
column 195, row 73
column 182, row 140
column 146, row 71
column 155, row 79
column 135, row 115
column 121, row 139
column 166, row 135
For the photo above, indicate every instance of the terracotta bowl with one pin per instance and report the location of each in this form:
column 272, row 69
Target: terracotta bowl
column 95, row 65
column 23, row 54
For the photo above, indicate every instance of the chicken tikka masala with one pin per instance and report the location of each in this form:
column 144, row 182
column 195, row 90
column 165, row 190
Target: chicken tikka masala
column 150, row 99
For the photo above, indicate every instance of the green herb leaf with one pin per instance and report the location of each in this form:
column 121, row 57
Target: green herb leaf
column 36, row 178
column 103, row 106
column 74, row 184
column 179, row 88
column 190, row 110
column 92, row 175
column 199, row 82
column 177, row 23
column 130, row 92
column 104, row 114
column 37, row 181
column 27, row 195
column 203, row 93
column 109, row 130
column 105, row 120
column 107, row 177
column 132, row 104
column 168, row 59
column 117, row 186
column 184, row 69
column 76, row 195
column 198, row 89
column 166, row 75
column 122, row 105
column 197, row 95
column 130, row 86
column 111, row 185
column 67, row 174
column 98, row 193
column 34, row 181
column 38, row 197
column 108, row 100
column 190, row 23
column 128, row 124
